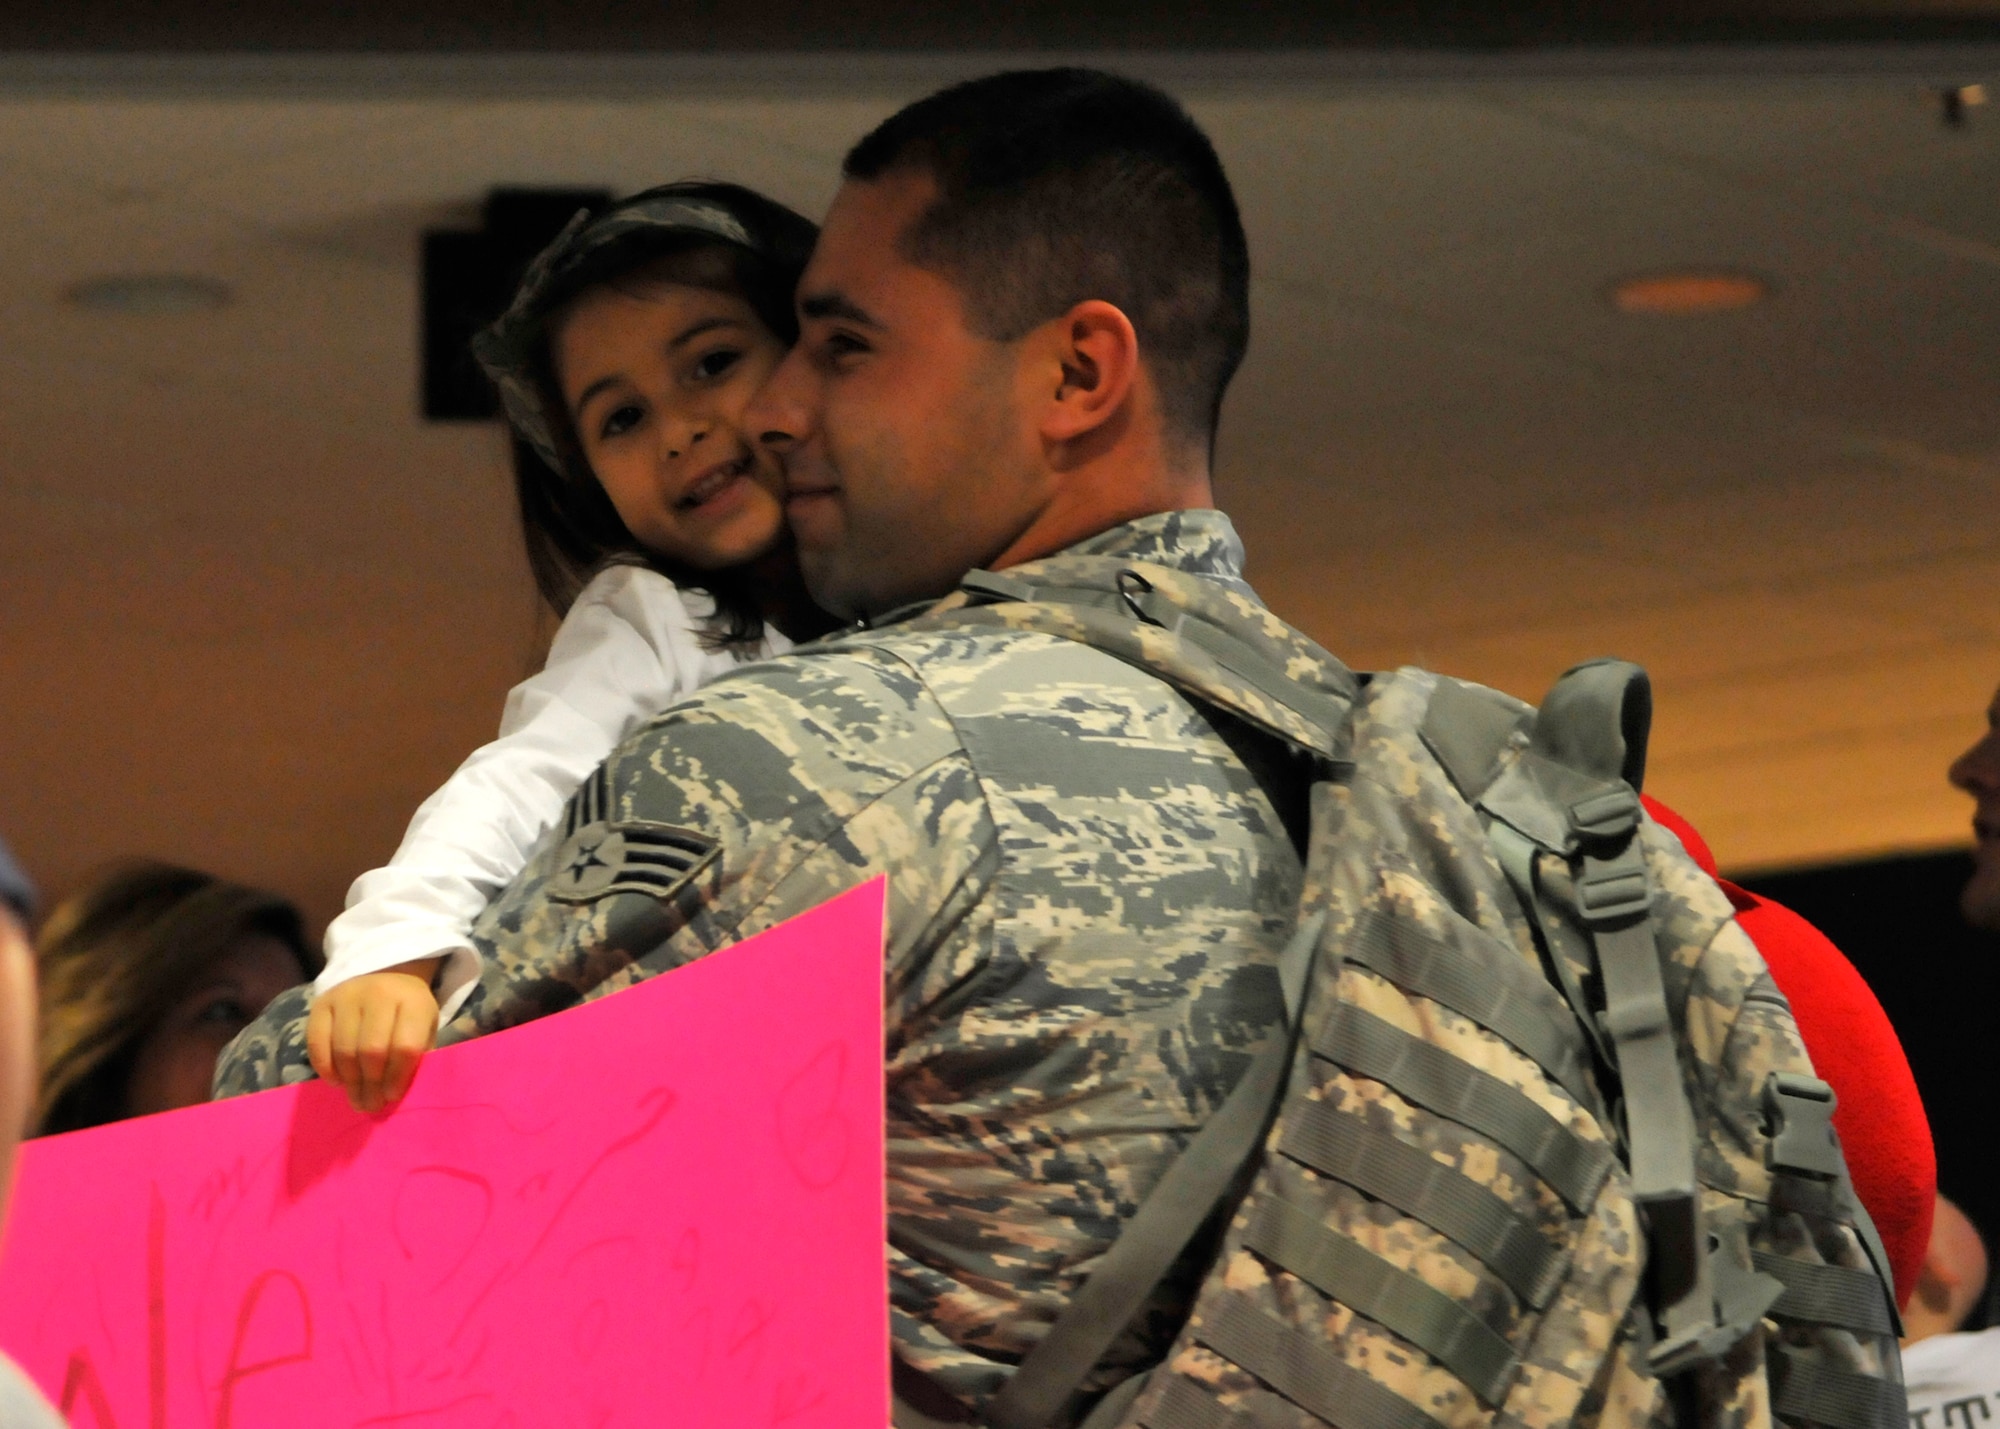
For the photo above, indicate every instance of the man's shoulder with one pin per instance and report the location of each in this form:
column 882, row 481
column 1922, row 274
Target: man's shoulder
column 818, row 691
column 966, row 668
column 862, row 712
column 891, row 675
column 814, row 729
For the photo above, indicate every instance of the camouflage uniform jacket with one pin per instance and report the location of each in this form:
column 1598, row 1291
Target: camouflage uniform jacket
column 1088, row 893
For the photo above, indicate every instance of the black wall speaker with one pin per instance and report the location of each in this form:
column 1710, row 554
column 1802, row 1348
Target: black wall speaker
column 468, row 278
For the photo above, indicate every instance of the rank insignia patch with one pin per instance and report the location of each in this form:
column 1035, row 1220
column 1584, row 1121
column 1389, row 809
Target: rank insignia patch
column 602, row 858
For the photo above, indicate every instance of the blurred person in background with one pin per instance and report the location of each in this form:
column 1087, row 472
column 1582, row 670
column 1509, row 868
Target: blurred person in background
column 147, row 972
column 1952, row 1280
column 1977, row 772
column 1946, row 1370
column 21, row 1405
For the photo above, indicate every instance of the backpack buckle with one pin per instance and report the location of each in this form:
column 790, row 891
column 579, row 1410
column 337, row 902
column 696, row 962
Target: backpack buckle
column 1607, row 817
column 1800, row 1112
column 1614, row 891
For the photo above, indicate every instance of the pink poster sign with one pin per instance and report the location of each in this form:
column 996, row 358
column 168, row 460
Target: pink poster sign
column 661, row 1208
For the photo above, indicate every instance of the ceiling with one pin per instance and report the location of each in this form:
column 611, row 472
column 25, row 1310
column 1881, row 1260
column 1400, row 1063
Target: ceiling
column 904, row 26
column 254, row 608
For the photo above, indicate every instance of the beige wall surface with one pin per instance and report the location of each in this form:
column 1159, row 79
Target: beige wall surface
column 253, row 608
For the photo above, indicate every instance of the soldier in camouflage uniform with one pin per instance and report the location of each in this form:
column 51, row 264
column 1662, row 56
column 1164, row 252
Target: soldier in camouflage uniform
column 1026, row 304
column 1016, row 331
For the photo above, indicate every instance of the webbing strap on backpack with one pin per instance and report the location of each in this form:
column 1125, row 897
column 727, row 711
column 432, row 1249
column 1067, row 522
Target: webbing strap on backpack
column 1561, row 784
column 1585, row 758
column 1042, row 1387
column 1114, row 622
column 1809, row 1175
column 1805, row 1152
column 1573, row 792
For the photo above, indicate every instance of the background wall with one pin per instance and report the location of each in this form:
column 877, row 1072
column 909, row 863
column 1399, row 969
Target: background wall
column 254, row 607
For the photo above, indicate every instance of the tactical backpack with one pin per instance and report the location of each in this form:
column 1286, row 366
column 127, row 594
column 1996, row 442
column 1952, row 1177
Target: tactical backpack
column 1541, row 1144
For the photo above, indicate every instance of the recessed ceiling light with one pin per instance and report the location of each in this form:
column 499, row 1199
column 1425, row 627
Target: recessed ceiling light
column 1689, row 293
column 149, row 293
column 1959, row 100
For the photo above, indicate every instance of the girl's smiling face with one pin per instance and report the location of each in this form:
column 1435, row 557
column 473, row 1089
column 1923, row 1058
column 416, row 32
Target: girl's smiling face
column 655, row 377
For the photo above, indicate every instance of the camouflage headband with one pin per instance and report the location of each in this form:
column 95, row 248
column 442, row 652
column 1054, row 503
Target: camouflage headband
column 509, row 350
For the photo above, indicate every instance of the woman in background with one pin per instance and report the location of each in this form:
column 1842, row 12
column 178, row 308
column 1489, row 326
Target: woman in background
column 147, row 972
column 21, row 1404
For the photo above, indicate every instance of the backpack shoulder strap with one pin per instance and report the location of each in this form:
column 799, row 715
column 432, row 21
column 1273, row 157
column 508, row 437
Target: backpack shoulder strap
column 1188, row 630
column 1196, row 640
column 1165, row 1224
column 1573, row 791
column 1468, row 728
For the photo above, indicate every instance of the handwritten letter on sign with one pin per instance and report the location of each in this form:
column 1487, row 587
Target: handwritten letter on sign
column 664, row 1207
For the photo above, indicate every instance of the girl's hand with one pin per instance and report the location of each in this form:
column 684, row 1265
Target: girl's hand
column 368, row 1034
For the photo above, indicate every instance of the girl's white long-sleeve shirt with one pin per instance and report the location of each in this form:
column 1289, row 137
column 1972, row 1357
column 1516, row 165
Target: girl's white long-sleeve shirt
column 629, row 647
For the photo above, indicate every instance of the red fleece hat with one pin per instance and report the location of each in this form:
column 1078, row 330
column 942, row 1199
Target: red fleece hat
column 1880, row 1117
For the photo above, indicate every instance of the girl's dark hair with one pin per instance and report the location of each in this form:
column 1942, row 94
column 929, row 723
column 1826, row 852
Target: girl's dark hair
column 115, row 956
column 568, row 524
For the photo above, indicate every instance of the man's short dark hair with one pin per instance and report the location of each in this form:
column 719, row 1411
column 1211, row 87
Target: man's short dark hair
column 1061, row 185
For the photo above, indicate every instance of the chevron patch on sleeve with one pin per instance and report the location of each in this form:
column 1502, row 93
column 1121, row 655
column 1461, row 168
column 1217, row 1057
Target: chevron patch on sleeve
column 628, row 856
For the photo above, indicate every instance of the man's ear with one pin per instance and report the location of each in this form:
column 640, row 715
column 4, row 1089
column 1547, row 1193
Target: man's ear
column 1096, row 354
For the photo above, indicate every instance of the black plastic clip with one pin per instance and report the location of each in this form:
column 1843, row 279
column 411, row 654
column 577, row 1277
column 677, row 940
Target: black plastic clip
column 1140, row 598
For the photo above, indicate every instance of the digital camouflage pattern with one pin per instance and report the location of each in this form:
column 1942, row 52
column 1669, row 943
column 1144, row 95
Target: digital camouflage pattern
column 1088, row 892
column 1399, row 859
column 1087, row 895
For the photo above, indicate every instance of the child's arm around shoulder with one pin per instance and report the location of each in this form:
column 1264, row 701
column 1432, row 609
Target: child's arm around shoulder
column 627, row 649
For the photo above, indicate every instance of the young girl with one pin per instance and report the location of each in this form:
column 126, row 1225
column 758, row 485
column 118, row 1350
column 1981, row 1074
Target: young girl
column 651, row 517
